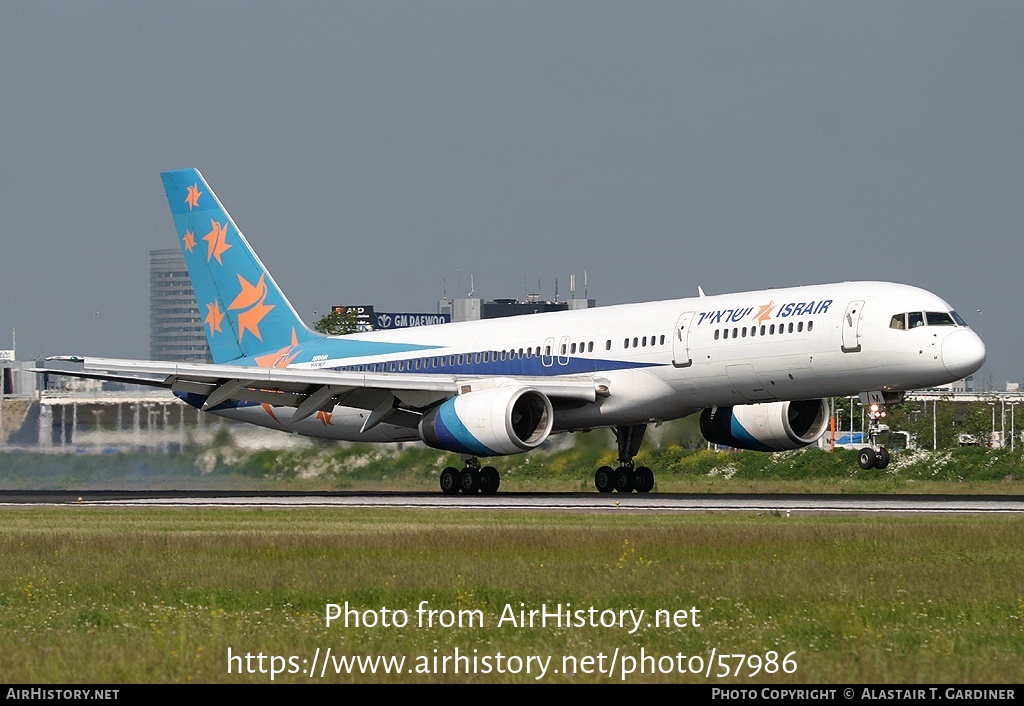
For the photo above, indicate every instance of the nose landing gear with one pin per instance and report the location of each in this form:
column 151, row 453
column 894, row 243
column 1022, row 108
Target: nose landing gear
column 875, row 456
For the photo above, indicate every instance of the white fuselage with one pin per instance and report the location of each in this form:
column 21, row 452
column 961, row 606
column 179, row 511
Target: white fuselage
column 667, row 359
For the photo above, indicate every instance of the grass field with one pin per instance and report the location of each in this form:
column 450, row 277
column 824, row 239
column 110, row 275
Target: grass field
column 129, row 596
column 567, row 468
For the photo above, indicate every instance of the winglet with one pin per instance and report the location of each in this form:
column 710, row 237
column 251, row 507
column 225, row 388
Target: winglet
column 245, row 314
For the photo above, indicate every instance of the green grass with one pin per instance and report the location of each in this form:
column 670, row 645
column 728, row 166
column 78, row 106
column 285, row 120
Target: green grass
column 568, row 467
column 128, row 596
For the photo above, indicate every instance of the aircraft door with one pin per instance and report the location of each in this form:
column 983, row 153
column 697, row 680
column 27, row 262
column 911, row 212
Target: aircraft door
column 547, row 358
column 680, row 341
column 563, row 351
column 852, row 326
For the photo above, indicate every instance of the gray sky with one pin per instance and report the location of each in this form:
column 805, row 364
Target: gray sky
column 370, row 150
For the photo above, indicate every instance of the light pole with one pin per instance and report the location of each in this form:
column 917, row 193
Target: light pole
column 1002, row 423
column 992, row 436
column 1013, row 433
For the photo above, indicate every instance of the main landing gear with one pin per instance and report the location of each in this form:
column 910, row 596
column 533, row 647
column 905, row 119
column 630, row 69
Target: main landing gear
column 471, row 479
column 874, row 456
column 627, row 477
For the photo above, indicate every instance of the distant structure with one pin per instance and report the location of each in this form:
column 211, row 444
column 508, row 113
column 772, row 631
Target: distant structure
column 472, row 308
column 175, row 327
column 962, row 385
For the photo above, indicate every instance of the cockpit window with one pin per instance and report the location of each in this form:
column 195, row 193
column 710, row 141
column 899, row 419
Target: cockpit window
column 913, row 319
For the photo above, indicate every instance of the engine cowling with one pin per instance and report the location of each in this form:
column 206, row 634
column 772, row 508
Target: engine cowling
column 768, row 426
column 493, row 422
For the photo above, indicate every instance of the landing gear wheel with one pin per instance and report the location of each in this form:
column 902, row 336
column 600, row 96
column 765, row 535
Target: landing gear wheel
column 867, row 458
column 489, row 480
column 625, row 479
column 450, row 481
column 604, row 479
column 882, row 457
column 644, row 479
column 469, row 480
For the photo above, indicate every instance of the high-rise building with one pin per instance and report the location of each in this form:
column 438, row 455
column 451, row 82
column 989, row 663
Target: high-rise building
column 175, row 326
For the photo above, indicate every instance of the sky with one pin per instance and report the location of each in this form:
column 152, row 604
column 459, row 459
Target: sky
column 380, row 152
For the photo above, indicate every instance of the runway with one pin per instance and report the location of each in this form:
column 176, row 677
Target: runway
column 578, row 502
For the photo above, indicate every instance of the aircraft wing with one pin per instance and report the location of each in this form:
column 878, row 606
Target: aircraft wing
column 400, row 397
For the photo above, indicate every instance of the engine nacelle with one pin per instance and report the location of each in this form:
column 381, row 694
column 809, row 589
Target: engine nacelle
column 769, row 426
column 491, row 422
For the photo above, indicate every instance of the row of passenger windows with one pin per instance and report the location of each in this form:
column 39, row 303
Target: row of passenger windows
column 639, row 342
column 913, row 319
column 764, row 330
column 589, row 346
column 447, row 361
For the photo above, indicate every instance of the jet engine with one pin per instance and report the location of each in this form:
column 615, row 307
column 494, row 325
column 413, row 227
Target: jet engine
column 490, row 422
column 769, row 426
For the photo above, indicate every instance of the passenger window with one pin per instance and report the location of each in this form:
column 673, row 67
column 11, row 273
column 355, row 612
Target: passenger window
column 810, row 325
column 716, row 334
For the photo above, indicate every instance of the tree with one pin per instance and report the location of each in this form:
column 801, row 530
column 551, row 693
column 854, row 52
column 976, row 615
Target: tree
column 338, row 323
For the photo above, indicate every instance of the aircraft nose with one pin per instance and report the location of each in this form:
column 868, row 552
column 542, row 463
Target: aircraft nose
column 963, row 352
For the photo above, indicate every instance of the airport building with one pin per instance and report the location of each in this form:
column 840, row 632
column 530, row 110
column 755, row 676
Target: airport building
column 472, row 309
column 175, row 327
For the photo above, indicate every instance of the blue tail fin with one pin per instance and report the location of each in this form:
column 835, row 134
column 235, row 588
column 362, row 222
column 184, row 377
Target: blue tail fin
column 244, row 311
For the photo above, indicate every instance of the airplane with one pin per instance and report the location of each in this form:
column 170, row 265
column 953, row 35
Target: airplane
column 757, row 366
